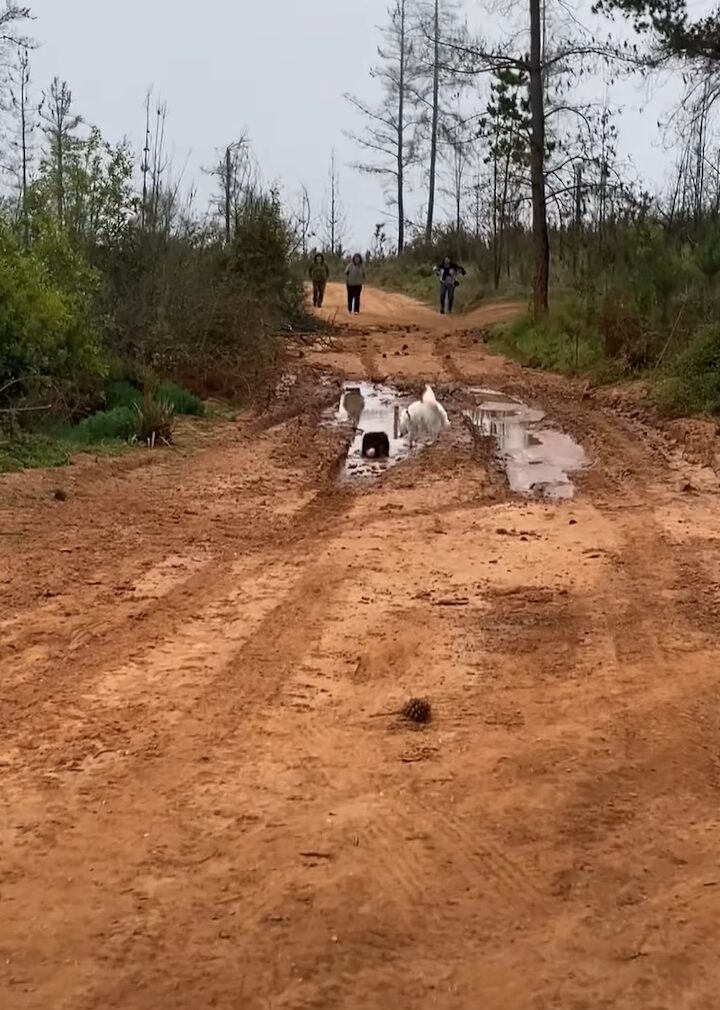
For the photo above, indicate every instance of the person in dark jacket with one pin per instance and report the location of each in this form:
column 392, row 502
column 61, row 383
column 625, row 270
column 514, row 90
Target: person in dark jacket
column 319, row 274
column 355, row 274
column 448, row 271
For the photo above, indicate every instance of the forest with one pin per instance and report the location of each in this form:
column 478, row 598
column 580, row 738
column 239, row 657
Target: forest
column 123, row 303
column 505, row 153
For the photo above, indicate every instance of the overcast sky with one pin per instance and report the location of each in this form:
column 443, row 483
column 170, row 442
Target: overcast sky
column 277, row 69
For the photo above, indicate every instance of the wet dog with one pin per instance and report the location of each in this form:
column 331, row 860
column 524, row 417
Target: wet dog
column 424, row 418
column 353, row 402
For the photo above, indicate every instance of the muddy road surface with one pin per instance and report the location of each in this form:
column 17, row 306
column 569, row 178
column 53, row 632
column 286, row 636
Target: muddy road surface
column 203, row 803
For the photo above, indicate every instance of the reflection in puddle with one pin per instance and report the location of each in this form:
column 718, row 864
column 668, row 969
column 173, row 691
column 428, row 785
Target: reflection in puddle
column 371, row 409
column 536, row 459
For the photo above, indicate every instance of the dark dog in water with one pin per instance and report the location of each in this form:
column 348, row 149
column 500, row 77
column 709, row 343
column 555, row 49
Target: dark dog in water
column 375, row 445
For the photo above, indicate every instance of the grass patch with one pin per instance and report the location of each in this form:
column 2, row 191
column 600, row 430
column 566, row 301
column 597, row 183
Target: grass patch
column 690, row 383
column 121, row 393
column 131, row 417
column 52, row 448
column 182, row 401
column 118, row 424
column 563, row 342
column 419, row 282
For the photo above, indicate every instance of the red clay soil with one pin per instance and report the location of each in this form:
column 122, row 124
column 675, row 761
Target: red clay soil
column 201, row 802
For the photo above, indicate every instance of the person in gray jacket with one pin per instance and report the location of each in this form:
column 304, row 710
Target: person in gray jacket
column 355, row 274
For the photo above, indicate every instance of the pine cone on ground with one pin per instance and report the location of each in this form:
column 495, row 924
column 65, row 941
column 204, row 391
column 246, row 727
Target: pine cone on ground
column 417, row 710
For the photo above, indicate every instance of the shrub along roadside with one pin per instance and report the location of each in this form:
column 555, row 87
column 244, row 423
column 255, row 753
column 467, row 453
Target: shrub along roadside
column 135, row 417
column 681, row 381
column 690, row 383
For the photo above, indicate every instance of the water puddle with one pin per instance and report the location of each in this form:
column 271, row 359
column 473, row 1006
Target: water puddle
column 537, row 459
column 374, row 411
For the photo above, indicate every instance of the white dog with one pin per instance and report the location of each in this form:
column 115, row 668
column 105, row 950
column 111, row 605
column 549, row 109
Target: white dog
column 424, row 417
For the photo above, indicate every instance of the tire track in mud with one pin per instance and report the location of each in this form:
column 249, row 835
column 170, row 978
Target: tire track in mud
column 97, row 632
column 367, row 352
column 246, row 682
column 445, row 359
column 245, row 810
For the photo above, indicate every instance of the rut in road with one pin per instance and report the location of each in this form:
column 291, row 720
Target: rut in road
column 198, row 809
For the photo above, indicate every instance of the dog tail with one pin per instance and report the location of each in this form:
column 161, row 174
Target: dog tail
column 428, row 395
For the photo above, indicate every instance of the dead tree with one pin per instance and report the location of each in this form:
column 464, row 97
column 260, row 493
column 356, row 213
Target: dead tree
column 392, row 135
column 335, row 222
column 26, row 125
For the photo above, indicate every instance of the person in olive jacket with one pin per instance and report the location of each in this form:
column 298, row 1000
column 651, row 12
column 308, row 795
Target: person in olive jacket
column 319, row 274
column 355, row 274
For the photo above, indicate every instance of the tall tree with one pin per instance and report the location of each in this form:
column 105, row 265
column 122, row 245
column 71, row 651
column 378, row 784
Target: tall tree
column 335, row 221
column 392, row 135
column 541, row 241
column 60, row 128
column 438, row 26
column 25, row 117
column 505, row 130
column 435, row 119
column 236, row 177
column 459, row 137
column 557, row 64
column 303, row 221
column 12, row 19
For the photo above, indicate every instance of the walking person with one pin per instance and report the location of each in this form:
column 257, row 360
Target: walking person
column 319, row 275
column 448, row 271
column 355, row 274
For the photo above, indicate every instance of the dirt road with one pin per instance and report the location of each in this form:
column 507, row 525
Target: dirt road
column 199, row 807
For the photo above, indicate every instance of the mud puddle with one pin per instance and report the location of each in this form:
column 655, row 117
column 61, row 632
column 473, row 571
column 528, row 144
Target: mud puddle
column 537, row 459
column 372, row 409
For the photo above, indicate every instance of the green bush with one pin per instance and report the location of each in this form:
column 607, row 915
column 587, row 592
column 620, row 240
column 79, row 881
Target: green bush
column 119, row 423
column 691, row 382
column 180, row 399
column 121, row 393
column 48, row 339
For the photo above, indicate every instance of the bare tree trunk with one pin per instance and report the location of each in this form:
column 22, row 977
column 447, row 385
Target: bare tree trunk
column 497, row 261
column 60, row 169
column 305, row 220
column 537, row 166
column 145, row 164
column 401, row 130
column 502, row 244
column 24, row 85
column 578, row 218
column 228, row 195
column 435, row 121
column 333, row 205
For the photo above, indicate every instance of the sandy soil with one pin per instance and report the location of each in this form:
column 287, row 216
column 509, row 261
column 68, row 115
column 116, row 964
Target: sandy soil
column 199, row 807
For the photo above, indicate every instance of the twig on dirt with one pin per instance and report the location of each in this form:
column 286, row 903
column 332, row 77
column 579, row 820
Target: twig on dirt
column 449, row 601
column 316, row 855
column 205, row 859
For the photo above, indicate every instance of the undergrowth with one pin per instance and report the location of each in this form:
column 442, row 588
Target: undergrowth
column 690, row 383
column 420, row 282
column 133, row 416
column 564, row 342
